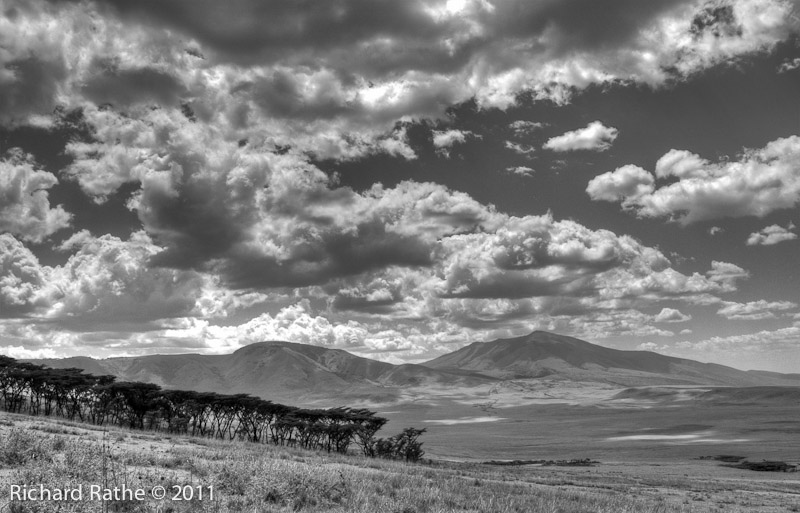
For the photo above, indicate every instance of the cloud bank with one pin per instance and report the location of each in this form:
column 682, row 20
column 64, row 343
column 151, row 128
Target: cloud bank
column 217, row 121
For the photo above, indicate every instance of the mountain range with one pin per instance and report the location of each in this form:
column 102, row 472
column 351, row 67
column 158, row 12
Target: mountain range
column 298, row 373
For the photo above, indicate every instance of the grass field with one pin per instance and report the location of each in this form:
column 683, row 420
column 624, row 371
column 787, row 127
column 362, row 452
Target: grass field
column 260, row 478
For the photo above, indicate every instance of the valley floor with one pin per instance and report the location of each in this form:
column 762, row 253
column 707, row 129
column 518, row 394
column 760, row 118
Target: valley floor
column 261, row 478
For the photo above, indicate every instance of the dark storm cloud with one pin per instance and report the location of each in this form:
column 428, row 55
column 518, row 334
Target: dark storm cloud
column 320, row 259
column 250, row 29
column 376, row 298
column 109, row 84
column 483, row 314
column 280, row 95
column 30, row 89
column 515, row 285
column 537, row 256
column 577, row 24
column 306, row 96
column 362, row 304
column 193, row 227
column 386, row 35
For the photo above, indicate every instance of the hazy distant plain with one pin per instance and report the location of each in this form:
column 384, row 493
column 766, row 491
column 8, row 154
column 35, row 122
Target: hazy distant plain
column 601, row 428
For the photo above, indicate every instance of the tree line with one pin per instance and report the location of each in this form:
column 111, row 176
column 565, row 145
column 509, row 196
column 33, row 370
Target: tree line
column 100, row 400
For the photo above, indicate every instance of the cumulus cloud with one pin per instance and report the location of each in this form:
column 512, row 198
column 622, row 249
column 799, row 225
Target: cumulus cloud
column 760, row 182
column 31, row 64
column 108, row 281
column 21, row 277
column 20, row 352
column 75, row 241
column 652, row 347
column 25, row 208
column 754, row 310
column 536, row 267
column 726, row 274
column 520, row 170
column 631, row 323
column 515, row 275
column 376, row 294
column 771, row 235
column 782, row 339
column 443, row 140
column 626, row 184
column 211, row 120
column 294, row 323
column 519, row 149
column 262, row 219
column 110, row 83
column 340, row 78
column 595, row 137
column 671, row 315
column 789, row 65
column 523, row 127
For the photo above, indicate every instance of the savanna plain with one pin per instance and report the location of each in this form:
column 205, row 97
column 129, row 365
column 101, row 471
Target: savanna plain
column 657, row 449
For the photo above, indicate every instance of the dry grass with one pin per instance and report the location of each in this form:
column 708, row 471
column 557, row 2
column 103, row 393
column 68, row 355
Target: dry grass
column 260, row 478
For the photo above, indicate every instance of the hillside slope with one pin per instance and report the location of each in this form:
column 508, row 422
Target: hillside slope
column 274, row 370
column 542, row 354
column 298, row 373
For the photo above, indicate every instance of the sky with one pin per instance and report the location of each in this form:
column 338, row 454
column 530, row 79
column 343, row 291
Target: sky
column 400, row 179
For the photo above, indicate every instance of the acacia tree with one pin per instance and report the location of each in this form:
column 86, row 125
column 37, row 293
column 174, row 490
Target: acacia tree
column 367, row 425
column 135, row 400
column 101, row 399
column 404, row 445
column 17, row 389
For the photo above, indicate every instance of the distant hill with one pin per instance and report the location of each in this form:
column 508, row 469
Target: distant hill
column 542, row 354
column 299, row 373
column 275, row 370
column 738, row 396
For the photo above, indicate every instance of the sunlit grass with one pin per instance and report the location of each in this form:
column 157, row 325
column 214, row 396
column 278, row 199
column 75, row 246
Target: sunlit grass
column 250, row 477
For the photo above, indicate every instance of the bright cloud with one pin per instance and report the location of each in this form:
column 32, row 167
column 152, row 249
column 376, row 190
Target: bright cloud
column 671, row 315
column 446, row 139
column 627, row 184
column 789, row 65
column 25, row 209
column 755, row 310
column 761, row 182
column 771, row 235
column 522, row 128
column 520, row 149
column 520, row 170
column 21, row 277
column 595, row 137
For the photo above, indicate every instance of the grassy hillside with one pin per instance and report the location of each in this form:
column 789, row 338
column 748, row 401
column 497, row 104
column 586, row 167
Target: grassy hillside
column 258, row 478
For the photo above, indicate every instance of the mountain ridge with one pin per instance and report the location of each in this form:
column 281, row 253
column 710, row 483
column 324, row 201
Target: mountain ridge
column 542, row 354
column 297, row 372
column 274, row 370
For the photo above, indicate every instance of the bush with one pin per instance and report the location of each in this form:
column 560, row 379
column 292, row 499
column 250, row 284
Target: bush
column 20, row 446
column 404, row 446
